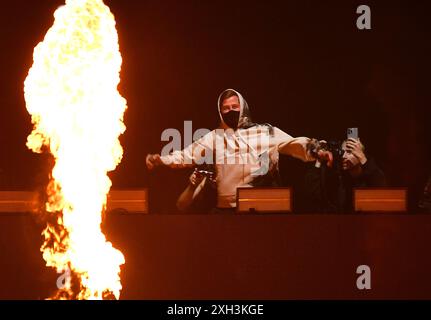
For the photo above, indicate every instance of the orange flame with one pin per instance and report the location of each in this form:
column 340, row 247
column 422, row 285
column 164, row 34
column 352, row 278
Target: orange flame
column 71, row 93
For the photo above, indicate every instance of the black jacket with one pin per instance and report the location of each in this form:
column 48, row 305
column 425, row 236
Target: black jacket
column 330, row 190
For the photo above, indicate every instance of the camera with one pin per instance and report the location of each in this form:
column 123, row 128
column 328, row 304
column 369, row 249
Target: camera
column 207, row 171
column 335, row 147
column 208, row 174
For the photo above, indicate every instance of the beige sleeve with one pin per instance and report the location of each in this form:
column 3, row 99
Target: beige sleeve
column 192, row 155
column 295, row 147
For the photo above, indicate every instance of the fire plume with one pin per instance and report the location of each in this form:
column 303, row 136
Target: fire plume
column 71, row 92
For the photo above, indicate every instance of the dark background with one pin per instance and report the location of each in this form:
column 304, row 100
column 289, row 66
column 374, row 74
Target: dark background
column 303, row 66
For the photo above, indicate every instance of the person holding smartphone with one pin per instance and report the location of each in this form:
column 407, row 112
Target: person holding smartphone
column 329, row 189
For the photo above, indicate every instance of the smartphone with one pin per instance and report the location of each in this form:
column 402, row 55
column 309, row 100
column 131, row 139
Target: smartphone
column 353, row 133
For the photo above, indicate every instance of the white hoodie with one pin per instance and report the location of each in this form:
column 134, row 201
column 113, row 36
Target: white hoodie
column 239, row 156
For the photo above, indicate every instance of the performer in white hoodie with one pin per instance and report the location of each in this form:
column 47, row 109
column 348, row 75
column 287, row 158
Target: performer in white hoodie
column 244, row 154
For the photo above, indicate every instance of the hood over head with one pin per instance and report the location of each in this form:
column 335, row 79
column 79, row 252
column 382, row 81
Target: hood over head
column 244, row 120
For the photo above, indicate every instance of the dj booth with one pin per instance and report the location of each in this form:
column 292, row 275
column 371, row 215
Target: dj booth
column 253, row 256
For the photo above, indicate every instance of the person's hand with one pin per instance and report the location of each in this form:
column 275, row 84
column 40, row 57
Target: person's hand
column 196, row 178
column 357, row 149
column 326, row 156
column 318, row 150
column 153, row 160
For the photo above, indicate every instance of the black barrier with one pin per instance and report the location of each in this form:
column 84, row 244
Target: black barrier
column 237, row 257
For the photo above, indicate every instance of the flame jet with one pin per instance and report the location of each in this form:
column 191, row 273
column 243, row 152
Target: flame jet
column 71, row 93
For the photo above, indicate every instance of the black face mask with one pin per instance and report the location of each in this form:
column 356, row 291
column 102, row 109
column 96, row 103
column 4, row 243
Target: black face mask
column 231, row 119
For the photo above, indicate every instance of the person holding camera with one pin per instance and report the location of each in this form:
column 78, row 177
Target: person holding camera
column 200, row 193
column 329, row 189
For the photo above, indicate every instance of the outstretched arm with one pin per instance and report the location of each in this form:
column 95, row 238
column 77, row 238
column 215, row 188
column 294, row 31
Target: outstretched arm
column 192, row 155
column 302, row 148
